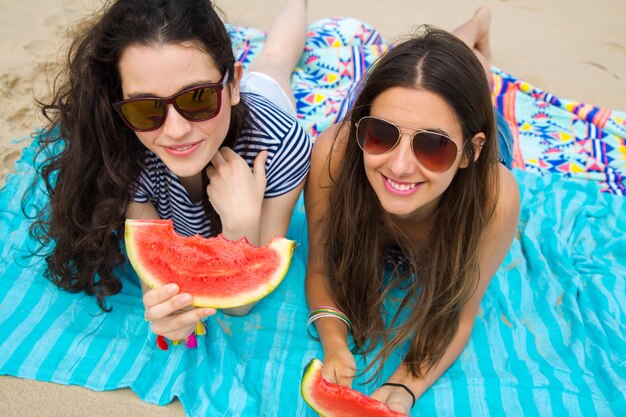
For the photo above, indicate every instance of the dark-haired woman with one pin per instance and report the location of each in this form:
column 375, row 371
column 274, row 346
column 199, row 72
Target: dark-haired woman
column 157, row 120
column 408, row 194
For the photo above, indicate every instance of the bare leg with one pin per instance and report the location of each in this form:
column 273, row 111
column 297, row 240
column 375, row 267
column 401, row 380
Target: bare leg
column 475, row 34
column 283, row 45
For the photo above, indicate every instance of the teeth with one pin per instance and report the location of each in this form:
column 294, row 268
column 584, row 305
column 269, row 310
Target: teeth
column 182, row 148
column 401, row 187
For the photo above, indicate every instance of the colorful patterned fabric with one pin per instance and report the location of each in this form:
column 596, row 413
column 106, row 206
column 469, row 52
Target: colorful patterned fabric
column 550, row 338
column 336, row 56
column 566, row 137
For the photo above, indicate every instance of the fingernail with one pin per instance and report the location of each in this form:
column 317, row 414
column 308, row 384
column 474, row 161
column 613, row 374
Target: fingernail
column 185, row 298
column 171, row 288
column 208, row 311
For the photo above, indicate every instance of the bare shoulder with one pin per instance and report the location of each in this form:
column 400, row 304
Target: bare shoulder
column 328, row 150
column 508, row 205
column 503, row 224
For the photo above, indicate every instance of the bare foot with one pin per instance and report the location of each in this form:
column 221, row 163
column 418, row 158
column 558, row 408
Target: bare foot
column 483, row 18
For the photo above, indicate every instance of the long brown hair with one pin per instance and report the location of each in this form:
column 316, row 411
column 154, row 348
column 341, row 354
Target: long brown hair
column 442, row 276
column 91, row 157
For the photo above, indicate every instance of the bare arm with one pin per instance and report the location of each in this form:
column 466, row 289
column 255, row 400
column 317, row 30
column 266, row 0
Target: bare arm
column 496, row 243
column 276, row 214
column 141, row 211
column 339, row 364
column 237, row 195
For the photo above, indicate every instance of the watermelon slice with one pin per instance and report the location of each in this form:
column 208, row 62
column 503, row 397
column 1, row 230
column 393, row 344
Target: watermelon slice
column 332, row 400
column 217, row 272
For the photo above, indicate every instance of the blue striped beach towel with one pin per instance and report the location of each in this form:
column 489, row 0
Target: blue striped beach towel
column 550, row 338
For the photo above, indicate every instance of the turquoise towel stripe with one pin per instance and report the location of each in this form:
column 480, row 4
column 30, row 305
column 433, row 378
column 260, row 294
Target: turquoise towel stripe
column 542, row 354
column 112, row 353
column 472, row 389
column 487, row 352
column 16, row 323
column 272, row 381
column 239, row 373
column 504, row 319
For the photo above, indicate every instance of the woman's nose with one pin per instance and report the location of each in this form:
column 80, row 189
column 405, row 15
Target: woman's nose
column 175, row 125
column 402, row 160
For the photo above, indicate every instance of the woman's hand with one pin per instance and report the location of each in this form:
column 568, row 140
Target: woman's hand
column 171, row 314
column 339, row 366
column 236, row 193
column 396, row 398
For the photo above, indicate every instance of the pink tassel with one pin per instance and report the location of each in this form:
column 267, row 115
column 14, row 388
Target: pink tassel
column 192, row 342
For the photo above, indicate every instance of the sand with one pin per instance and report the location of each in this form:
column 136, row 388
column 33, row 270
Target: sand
column 572, row 49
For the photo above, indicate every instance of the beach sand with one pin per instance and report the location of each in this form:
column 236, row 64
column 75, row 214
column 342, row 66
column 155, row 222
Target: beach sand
column 560, row 46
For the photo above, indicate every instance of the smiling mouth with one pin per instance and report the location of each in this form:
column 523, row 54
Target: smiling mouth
column 402, row 187
column 182, row 150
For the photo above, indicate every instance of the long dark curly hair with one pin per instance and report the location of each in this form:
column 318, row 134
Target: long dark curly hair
column 442, row 276
column 90, row 157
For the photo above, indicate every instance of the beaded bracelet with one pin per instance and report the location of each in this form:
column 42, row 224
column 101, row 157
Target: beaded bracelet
column 394, row 384
column 324, row 311
column 191, row 342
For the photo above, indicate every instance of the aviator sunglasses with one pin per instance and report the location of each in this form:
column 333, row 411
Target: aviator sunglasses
column 435, row 151
column 195, row 104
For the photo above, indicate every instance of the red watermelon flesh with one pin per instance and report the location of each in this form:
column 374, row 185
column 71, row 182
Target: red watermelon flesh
column 217, row 272
column 332, row 400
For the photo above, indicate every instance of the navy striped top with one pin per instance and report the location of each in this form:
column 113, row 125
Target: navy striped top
column 267, row 127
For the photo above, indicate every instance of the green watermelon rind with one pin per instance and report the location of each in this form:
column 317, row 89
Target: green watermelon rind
column 284, row 247
column 312, row 372
column 313, row 382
